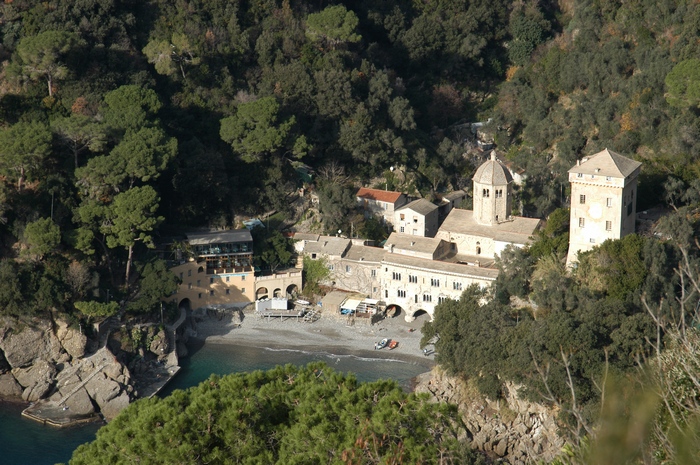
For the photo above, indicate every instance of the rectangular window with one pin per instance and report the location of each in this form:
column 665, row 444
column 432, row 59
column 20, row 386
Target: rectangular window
column 228, row 278
column 211, row 292
column 415, row 232
column 386, row 293
column 608, row 202
column 211, row 280
column 415, row 219
column 434, row 282
column 581, row 222
column 457, row 286
column 582, row 198
column 373, row 273
column 402, row 217
column 181, row 275
column 396, row 276
column 427, row 298
column 243, row 278
column 592, row 241
column 441, row 299
column 199, row 282
column 228, row 291
column 401, row 229
column 189, row 272
column 347, row 268
column 199, row 296
column 330, row 267
column 243, row 290
column 189, row 286
column 412, row 279
column 401, row 293
column 608, row 225
column 579, row 175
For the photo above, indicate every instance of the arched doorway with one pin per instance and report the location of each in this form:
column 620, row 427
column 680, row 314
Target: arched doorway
column 277, row 292
column 393, row 310
column 292, row 291
column 186, row 304
column 261, row 293
column 421, row 315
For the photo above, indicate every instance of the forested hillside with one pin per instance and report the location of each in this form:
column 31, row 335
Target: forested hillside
column 124, row 119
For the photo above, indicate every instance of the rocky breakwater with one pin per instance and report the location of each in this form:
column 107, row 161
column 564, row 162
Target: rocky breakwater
column 512, row 430
column 65, row 376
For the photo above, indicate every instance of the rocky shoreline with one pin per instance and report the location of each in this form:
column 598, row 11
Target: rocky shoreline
column 69, row 378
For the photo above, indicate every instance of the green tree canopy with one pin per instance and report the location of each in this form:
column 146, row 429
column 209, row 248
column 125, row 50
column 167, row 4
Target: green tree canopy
column 131, row 217
column 254, row 130
column 79, row 133
column 41, row 237
column 94, row 309
column 130, row 107
column 24, row 148
column 334, row 25
column 156, row 283
column 683, row 84
column 43, row 56
column 170, row 56
column 288, row 415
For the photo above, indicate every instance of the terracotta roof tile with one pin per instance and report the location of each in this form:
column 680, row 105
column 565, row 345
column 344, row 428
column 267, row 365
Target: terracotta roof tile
column 377, row 194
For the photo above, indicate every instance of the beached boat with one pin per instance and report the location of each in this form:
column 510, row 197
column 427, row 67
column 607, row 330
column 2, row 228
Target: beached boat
column 393, row 344
column 381, row 344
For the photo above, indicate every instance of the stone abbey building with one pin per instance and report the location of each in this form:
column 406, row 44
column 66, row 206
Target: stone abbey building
column 423, row 264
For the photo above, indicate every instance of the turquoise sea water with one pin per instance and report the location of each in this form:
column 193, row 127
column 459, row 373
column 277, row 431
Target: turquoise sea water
column 24, row 442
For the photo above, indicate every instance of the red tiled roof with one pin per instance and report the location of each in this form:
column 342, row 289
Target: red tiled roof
column 377, row 194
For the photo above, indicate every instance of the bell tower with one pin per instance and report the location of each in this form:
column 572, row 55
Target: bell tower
column 493, row 196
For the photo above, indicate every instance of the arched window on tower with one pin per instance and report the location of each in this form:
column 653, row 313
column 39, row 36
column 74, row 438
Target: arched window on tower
column 486, row 193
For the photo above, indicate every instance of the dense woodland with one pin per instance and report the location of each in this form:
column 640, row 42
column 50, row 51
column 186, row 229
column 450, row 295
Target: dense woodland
column 287, row 415
column 125, row 121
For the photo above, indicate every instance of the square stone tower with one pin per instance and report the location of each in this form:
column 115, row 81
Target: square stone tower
column 603, row 200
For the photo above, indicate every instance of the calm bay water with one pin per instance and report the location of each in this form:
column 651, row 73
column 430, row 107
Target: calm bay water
column 24, row 442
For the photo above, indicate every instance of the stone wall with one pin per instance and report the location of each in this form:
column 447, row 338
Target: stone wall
column 512, row 430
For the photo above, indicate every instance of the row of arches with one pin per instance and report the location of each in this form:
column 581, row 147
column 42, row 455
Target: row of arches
column 264, row 293
column 393, row 311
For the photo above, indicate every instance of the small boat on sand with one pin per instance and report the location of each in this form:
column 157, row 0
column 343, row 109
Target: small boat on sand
column 393, row 344
column 381, row 344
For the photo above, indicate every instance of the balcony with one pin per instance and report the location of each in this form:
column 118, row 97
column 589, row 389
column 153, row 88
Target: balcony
column 233, row 270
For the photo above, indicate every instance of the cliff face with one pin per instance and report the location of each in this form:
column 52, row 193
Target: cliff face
column 516, row 431
column 47, row 359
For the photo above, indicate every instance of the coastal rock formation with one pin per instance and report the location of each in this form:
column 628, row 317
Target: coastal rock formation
column 36, row 380
column 9, row 387
column 159, row 345
column 31, row 342
column 72, row 340
column 513, row 430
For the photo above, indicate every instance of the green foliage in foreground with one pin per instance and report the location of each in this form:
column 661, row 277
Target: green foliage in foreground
column 287, row 415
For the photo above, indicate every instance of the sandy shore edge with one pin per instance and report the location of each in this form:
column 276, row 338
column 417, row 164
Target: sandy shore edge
column 327, row 334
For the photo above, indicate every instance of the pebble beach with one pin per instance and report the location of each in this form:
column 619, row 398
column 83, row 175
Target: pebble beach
column 328, row 334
